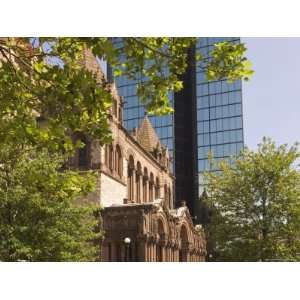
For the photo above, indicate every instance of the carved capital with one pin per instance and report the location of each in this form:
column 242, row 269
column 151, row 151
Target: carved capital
column 130, row 170
column 143, row 238
column 138, row 173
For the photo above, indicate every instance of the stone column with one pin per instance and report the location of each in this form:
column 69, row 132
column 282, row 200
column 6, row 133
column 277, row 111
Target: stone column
column 173, row 254
column 142, row 249
column 150, row 191
column 163, row 253
column 140, row 188
column 133, row 254
column 188, row 256
column 166, row 253
column 113, row 252
column 177, row 254
column 133, row 186
column 104, row 252
column 150, row 251
column 153, row 251
column 145, row 189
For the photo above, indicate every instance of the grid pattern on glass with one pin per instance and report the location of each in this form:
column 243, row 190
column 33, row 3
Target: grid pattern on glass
column 219, row 114
column 134, row 111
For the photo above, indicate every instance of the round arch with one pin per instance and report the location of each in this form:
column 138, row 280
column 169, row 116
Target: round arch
column 128, row 153
column 145, row 184
column 138, row 182
column 119, row 160
column 157, row 188
column 162, row 225
column 185, row 240
column 111, row 150
column 162, row 233
column 151, row 187
column 130, row 179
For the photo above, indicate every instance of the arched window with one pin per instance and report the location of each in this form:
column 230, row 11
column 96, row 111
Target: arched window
column 145, row 183
column 159, row 247
column 183, row 252
column 83, row 152
column 130, row 185
column 151, row 185
column 138, row 181
column 157, row 187
column 170, row 198
column 120, row 115
column 115, row 107
column 119, row 161
column 166, row 197
column 111, row 158
column 106, row 155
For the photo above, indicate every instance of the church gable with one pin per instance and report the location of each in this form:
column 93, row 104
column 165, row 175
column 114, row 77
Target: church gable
column 148, row 139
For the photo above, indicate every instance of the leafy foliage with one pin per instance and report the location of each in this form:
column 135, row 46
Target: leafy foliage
column 228, row 61
column 46, row 93
column 161, row 61
column 256, row 206
column 46, row 77
column 39, row 217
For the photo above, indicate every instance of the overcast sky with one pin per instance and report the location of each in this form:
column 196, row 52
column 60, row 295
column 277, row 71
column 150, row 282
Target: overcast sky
column 271, row 100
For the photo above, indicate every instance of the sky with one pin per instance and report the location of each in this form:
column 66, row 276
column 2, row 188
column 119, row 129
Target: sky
column 271, row 99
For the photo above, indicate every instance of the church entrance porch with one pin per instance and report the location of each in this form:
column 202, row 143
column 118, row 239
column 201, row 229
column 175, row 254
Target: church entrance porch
column 150, row 233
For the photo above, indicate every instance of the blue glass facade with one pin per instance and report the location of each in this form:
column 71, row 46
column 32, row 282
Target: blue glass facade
column 219, row 114
column 217, row 126
column 134, row 111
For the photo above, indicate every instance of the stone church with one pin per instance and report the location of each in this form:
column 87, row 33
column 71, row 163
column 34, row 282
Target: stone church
column 135, row 189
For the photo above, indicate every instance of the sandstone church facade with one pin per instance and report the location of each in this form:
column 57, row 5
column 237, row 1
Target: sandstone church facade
column 135, row 189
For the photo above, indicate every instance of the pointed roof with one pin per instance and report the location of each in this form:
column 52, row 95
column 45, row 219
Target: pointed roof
column 91, row 63
column 147, row 136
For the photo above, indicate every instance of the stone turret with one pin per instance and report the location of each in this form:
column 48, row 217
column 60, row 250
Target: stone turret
column 91, row 64
column 148, row 139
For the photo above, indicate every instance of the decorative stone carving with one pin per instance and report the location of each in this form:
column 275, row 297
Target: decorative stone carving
column 132, row 222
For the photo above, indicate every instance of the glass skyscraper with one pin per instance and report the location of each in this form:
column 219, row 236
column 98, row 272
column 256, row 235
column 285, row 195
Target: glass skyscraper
column 207, row 118
column 219, row 114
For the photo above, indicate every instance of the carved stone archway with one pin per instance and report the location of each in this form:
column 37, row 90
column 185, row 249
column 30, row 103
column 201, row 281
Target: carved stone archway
column 161, row 240
column 184, row 244
column 156, row 234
